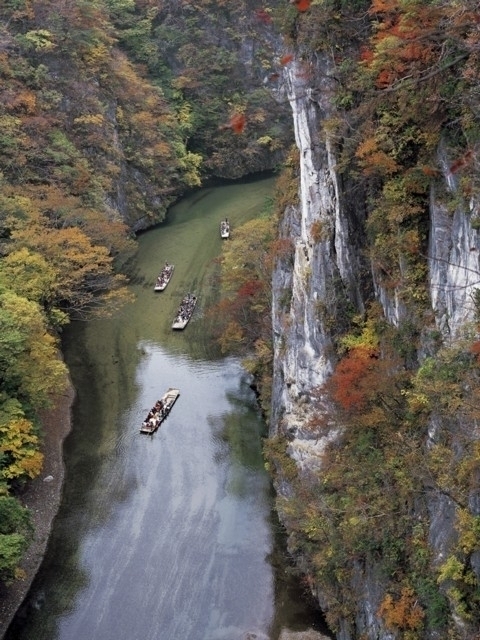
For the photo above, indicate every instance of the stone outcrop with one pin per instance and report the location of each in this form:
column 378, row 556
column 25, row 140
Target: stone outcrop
column 328, row 271
column 453, row 257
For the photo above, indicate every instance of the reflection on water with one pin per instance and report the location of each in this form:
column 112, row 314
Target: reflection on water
column 170, row 536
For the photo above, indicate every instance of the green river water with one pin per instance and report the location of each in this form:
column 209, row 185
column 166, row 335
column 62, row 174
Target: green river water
column 171, row 536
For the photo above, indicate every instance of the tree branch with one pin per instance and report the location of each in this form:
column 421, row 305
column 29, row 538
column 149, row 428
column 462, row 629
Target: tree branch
column 399, row 84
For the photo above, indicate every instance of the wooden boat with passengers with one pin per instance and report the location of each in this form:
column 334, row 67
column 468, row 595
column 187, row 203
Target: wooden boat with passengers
column 225, row 229
column 159, row 411
column 185, row 311
column 164, row 277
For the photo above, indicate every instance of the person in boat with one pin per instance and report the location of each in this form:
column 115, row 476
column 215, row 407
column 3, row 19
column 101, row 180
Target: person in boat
column 186, row 307
column 166, row 271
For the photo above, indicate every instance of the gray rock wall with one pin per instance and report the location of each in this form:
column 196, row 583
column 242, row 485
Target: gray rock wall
column 321, row 268
column 305, row 320
column 454, row 255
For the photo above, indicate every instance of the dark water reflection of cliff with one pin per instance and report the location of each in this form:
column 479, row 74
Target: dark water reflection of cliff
column 170, row 537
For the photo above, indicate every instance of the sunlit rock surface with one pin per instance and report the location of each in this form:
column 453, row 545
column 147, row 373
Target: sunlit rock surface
column 326, row 259
column 453, row 256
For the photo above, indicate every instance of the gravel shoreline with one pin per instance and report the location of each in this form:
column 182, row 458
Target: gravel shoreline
column 43, row 500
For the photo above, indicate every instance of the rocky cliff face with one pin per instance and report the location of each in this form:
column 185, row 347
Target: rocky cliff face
column 327, row 258
column 330, row 273
column 453, row 256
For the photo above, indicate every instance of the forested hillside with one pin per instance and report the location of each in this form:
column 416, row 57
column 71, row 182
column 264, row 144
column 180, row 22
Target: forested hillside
column 216, row 62
column 109, row 111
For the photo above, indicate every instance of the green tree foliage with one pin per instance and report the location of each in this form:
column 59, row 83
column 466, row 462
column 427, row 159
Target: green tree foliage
column 15, row 533
column 246, row 266
column 29, row 367
column 28, row 274
column 19, row 448
column 83, row 134
column 210, row 77
column 241, row 320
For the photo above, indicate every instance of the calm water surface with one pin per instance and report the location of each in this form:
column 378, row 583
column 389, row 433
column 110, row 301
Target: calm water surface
column 171, row 536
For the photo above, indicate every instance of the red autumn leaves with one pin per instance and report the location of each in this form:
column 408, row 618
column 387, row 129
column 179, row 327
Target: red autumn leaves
column 237, row 122
column 301, row 5
column 462, row 161
column 353, row 379
column 263, row 16
column 288, row 57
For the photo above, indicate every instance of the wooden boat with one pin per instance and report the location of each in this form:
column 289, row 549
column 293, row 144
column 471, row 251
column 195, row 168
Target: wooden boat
column 225, row 229
column 164, row 277
column 159, row 411
column 185, row 311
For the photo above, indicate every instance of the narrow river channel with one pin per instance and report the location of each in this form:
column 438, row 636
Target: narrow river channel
column 170, row 536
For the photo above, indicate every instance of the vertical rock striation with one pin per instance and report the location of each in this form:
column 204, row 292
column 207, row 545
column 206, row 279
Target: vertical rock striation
column 326, row 257
column 328, row 275
column 453, row 256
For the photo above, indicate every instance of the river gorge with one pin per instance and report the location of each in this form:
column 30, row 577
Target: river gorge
column 171, row 536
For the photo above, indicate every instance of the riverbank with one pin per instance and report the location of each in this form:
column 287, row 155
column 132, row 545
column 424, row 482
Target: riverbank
column 43, row 500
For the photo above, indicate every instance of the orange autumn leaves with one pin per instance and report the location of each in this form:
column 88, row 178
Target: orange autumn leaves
column 288, row 57
column 462, row 162
column 407, row 41
column 351, row 383
column 236, row 123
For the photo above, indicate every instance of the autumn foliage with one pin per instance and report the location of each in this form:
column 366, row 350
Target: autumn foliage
column 301, row 5
column 263, row 16
column 352, row 379
column 242, row 314
column 237, row 122
column 403, row 612
column 286, row 58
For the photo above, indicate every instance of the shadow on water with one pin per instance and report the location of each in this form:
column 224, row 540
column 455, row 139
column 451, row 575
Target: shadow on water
column 295, row 607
